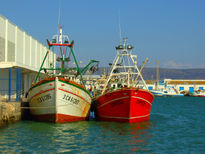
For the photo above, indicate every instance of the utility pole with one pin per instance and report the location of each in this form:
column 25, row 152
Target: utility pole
column 157, row 74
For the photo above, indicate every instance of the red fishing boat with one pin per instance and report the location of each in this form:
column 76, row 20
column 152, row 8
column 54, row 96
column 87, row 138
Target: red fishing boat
column 125, row 97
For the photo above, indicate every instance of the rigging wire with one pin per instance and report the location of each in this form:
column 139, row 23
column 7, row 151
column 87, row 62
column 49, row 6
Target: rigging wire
column 59, row 14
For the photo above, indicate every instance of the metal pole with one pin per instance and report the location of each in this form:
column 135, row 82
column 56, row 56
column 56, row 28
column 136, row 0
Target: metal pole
column 86, row 67
column 141, row 68
column 111, row 72
column 41, row 65
column 9, row 85
column 53, row 61
column 157, row 74
column 78, row 69
column 17, row 84
column 20, row 92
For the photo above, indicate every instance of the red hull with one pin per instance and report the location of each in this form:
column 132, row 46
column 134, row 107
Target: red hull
column 126, row 105
column 57, row 118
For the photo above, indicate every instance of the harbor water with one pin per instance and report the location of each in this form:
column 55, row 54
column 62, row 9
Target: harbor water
column 176, row 125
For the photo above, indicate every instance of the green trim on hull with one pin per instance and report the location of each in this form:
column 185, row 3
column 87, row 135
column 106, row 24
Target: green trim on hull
column 77, row 87
column 39, row 84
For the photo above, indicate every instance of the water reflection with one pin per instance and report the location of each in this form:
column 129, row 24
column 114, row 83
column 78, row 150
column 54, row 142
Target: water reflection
column 85, row 136
column 136, row 136
column 31, row 136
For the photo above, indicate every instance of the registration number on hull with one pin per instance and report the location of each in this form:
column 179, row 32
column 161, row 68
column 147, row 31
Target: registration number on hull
column 71, row 99
column 44, row 98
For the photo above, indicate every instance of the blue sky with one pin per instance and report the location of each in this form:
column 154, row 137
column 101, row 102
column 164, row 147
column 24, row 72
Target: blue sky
column 172, row 31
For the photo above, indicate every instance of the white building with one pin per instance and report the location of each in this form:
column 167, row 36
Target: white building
column 180, row 85
column 20, row 59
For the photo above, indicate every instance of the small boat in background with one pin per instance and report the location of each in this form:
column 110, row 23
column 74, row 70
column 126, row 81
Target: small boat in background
column 168, row 91
column 157, row 92
column 197, row 93
column 122, row 99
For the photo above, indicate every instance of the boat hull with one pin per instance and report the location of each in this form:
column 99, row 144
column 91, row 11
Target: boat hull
column 199, row 93
column 126, row 105
column 58, row 100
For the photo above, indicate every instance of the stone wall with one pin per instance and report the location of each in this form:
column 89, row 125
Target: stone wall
column 9, row 112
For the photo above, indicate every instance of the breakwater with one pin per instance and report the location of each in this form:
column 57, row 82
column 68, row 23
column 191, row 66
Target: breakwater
column 9, row 112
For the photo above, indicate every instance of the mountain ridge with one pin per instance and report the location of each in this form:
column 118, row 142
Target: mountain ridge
column 149, row 73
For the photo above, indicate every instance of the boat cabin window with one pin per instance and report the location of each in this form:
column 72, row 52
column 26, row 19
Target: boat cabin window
column 113, row 86
column 150, row 88
column 119, row 85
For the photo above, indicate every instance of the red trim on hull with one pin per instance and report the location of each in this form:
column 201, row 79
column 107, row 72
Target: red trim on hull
column 129, row 105
column 57, row 118
column 67, row 118
column 42, row 92
column 141, row 119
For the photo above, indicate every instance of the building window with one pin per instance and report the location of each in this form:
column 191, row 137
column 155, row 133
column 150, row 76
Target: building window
column 150, row 88
column 191, row 89
column 181, row 88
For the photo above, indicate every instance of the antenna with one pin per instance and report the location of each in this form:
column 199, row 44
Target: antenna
column 59, row 14
column 120, row 27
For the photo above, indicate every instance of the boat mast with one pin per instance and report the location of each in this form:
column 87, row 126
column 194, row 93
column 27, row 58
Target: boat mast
column 129, row 72
column 111, row 72
column 41, row 65
column 62, row 48
column 125, row 51
column 157, row 84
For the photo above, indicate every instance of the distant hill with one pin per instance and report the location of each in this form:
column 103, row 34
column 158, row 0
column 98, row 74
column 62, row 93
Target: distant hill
column 164, row 73
column 150, row 73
